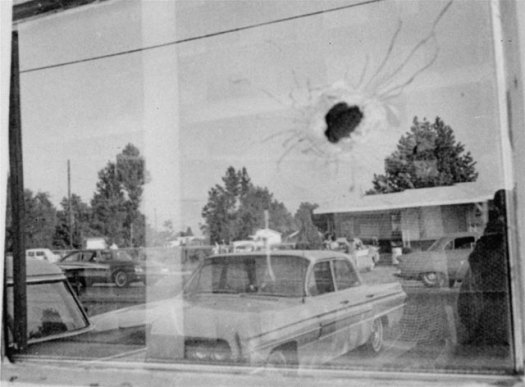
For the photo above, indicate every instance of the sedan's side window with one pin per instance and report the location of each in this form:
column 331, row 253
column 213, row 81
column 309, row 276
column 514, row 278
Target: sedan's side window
column 72, row 258
column 321, row 280
column 464, row 243
column 345, row 275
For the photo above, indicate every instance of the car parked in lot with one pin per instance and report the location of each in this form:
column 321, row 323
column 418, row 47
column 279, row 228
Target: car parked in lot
column 43, row 254
column 364, row 256
column 58, row 325
column 444, row 262
column 276, row 309
column 53, row 310
column 107, row 266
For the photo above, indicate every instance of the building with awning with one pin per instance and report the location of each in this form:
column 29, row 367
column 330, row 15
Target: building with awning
column 414, row 217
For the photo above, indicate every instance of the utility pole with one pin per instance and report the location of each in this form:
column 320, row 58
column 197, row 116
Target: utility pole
column 70, row 212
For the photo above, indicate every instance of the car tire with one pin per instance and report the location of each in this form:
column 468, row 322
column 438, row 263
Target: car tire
column 121, row 279
column 434, row 279
column 375, row 342
column 284, row 358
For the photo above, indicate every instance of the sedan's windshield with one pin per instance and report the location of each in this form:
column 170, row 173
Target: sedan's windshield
column 283, row 276
column 51, row 310
column 440, row 245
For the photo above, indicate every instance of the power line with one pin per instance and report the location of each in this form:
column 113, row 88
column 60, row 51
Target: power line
column 199, row 37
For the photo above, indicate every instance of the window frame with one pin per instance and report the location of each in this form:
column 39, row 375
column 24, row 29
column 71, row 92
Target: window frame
column 505, row 26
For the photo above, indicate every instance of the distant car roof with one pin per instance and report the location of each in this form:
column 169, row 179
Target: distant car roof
column 88, row 251
column 311, row 255
column 36, row 270
column 460, row 234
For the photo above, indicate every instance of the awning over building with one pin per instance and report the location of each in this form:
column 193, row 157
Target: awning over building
column 461, row 193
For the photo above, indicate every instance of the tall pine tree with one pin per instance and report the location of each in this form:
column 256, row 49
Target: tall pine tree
column 427, row 156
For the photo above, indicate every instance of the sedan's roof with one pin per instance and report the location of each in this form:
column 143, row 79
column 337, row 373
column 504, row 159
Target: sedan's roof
column 461, row 234
column 310, row 255
column 36, row 270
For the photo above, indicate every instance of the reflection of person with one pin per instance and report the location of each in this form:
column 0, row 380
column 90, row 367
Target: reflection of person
column 333, row 243
column 483, row 303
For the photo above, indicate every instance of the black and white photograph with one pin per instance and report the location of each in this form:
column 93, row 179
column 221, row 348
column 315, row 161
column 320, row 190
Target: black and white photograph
column 262, row 192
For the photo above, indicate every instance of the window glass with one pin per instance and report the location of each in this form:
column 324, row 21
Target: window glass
column 321, row 280
column 464, row 243
column 72, row 258
column 51, row 310
column 345, row 275
column 231, row 164
column 276, row 276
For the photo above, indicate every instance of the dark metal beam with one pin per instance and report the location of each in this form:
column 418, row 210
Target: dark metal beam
column 16, row 178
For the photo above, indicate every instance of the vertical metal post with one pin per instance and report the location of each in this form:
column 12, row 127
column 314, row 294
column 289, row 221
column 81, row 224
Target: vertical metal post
column 17, row 202
column 70, row 212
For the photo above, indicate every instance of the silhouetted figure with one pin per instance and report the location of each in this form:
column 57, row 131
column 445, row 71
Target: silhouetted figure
column 484, row 301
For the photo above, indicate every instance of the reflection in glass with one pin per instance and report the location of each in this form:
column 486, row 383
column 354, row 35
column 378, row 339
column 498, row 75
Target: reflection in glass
column 205, row 148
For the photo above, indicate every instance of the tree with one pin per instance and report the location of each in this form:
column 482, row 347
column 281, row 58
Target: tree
column 250, row 215
column 427, row 156
column 309, row 236
column 38, row 223
column 109, row 210
column 81, row 224
column 117, row 199
column 236, row 209
column 215, row 214
column 132, row 174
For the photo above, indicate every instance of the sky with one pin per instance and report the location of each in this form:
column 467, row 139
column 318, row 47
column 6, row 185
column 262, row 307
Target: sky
column 195, row 101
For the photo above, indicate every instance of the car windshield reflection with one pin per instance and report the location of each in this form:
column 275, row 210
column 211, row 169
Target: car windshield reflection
column 254, row 275
column 51, row 311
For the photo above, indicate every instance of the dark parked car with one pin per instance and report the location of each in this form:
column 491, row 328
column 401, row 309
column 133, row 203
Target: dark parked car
column 444, row 262
column 86, row 267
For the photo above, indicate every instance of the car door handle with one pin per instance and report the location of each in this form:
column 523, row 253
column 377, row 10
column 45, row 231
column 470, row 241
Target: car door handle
column 345, row 302
column 370, row 295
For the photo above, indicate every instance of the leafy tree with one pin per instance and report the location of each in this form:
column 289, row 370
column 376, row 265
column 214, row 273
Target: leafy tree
column 81, row 224
column 117, row 198
column 215, row 214
column 309, row 236
column 427, row 156
column 250, row 215
column 132, row 174
column 38, row 223
column 236, row 209
column 108, row 205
